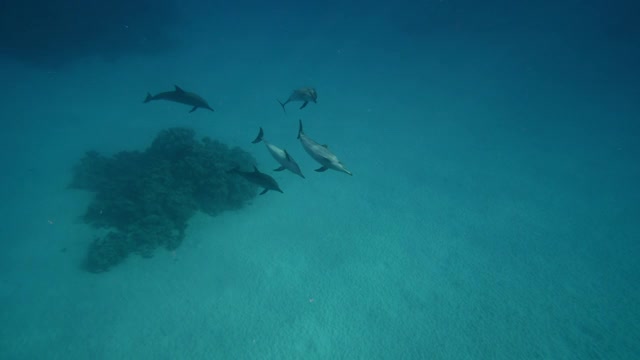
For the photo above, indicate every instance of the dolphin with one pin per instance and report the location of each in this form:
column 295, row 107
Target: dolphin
column 181, row 96
column 281, row 156
column 258, row 178
column 305, row 95
column 321, row 153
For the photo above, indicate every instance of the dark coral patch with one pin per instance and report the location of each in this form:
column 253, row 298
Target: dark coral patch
column 145, row 199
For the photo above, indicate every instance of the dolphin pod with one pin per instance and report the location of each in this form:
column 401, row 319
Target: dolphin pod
column 317, row 151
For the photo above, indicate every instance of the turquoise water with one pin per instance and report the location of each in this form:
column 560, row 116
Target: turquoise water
column 492, row 214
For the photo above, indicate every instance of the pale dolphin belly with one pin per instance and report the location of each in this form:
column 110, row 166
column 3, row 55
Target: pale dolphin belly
column 276, row 152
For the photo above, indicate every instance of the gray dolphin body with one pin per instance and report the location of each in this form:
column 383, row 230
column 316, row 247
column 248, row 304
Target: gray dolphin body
column 281, row 156
column 181, row 96
column 304, row 95
column 321, row 153
column 259, row 178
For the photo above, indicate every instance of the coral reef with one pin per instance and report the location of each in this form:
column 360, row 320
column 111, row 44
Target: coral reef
column 145, row 199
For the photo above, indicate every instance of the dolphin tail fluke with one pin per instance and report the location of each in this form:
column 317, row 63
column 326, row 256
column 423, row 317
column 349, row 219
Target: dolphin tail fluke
column 282, row 104
column 300, row 132
column 303, row 105
column 259, row 137
column 148, row 98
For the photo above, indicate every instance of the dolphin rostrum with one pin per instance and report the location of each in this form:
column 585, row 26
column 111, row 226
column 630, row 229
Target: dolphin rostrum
column 304, row 95
column 181, row 96
column 258, row 178
column 281, row 155
column 321, row 153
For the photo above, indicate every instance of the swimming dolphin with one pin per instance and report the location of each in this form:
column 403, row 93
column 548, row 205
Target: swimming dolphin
column 321, row 153
column 305, row 95
column 281, row 156
column 258, row 178
column 181, row 96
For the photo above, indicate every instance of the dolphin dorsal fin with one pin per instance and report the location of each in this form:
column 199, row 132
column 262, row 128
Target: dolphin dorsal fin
column 300, row 132
column 286, row 155
column 325, row 145
column 178, row 89
column 259, row 137
column 255, row 169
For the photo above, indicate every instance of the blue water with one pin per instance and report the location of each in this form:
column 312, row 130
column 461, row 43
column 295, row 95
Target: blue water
column 493, row 212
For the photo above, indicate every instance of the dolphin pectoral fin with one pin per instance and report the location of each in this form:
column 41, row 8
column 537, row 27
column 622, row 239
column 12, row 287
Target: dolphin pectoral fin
column 303, row 105
column 194, row 109
column 322, row 169
column 264, row 191
column 279, row 169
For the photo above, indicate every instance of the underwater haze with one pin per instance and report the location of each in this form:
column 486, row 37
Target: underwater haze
column 493, row 210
